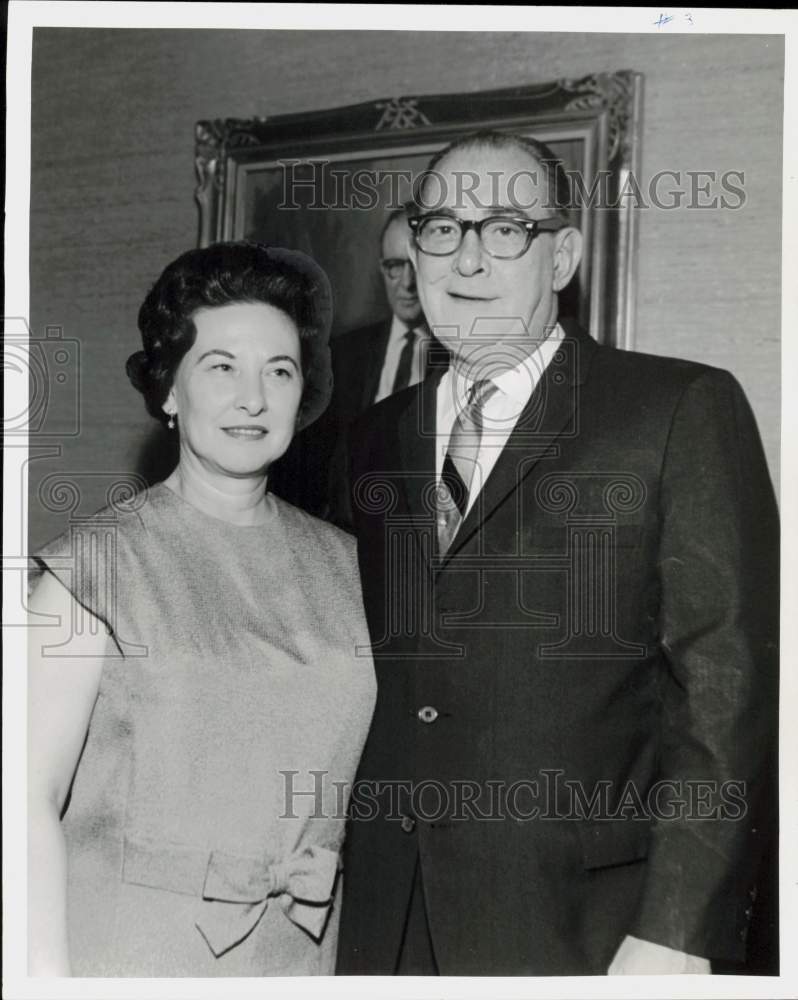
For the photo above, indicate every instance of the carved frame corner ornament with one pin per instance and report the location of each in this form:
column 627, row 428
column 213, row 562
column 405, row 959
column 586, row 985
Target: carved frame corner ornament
column 600, row 113
column 612, row 92
column 213, row 141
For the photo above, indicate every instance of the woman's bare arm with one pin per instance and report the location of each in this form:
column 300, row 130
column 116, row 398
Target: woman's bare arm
column 62, row 689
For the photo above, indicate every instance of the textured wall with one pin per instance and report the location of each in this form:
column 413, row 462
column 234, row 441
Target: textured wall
column 112, row 181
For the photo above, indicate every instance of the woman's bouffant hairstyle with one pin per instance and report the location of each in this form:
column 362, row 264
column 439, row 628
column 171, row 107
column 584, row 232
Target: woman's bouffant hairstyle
column 222, row 274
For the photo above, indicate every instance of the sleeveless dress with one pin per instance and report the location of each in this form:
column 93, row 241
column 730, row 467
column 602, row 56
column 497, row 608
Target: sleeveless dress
column 206, row 817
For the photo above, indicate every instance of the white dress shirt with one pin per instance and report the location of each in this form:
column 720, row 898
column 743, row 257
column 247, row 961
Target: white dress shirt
column 500, row 413
column 396, row 342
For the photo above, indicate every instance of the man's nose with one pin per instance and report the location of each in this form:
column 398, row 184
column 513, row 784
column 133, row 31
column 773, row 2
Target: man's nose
column 408, row 280
column 470, row 257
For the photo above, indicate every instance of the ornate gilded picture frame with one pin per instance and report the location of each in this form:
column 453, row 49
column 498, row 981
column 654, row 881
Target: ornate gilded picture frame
column 323, row 182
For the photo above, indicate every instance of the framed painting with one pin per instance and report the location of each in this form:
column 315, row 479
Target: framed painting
column 323, row 182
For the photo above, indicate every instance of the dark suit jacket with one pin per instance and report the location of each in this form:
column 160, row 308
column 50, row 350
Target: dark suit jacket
column 599, row 645
column 358, row 358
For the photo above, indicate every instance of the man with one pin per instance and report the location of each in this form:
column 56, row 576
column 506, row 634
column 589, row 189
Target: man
column 369, row 364
column 373, row 362
column 569, row 566
column 378, row 360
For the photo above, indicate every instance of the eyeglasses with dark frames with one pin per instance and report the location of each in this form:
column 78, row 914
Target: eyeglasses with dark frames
column 504, row 237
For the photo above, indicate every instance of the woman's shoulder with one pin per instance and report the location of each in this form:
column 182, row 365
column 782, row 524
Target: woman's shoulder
column 311, row 530
column 96, row 540
column 129, row 514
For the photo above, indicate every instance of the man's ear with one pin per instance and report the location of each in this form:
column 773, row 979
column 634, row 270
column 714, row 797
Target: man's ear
column 567, row 254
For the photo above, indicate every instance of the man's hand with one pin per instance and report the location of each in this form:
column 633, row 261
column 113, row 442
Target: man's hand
column 644, row 958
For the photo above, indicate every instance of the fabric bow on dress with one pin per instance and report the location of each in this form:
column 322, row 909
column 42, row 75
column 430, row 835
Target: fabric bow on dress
column 236, row 890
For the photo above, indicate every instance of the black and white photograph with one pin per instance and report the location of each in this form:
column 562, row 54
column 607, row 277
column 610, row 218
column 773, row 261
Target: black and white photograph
column 398, row 486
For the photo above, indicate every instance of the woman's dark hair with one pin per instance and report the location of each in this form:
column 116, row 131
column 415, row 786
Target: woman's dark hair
column 219, row 275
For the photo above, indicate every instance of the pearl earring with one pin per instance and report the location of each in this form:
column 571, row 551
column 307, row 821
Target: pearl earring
column 171, row 422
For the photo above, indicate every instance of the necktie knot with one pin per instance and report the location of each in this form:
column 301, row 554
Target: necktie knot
column 478, row 395
column 480, row 392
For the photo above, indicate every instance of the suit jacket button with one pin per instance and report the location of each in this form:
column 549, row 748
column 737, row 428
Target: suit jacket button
column 408, row 824
column 428, row 714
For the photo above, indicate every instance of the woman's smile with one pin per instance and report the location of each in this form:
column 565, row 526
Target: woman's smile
column 247, row 432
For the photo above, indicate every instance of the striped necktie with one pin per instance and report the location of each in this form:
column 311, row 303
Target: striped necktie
column 460, row 462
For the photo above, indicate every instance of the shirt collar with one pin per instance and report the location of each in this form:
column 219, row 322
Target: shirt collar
column 517, row 383
column 399, row 328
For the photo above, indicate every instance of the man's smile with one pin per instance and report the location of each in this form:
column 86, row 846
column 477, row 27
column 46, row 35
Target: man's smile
column 465, row 297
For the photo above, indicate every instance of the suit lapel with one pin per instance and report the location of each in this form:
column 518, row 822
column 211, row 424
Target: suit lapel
column 416, row 432
column 550, row 413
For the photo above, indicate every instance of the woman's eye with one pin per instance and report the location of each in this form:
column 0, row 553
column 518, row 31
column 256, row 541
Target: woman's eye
column 222, row 366
column 282, row 372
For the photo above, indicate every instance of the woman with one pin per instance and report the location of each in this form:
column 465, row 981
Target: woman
column 206, row 716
